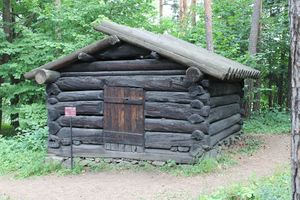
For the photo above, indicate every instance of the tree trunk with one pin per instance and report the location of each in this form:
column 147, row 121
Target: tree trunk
column 193, row 12
column 255, row 26
column 289, row 94
column 9, row 35
column 270, row 93
column 208, row 25
column 182, row 10
column 294, row 9
column 253, row 41
column 161, row 9
column 280, row 91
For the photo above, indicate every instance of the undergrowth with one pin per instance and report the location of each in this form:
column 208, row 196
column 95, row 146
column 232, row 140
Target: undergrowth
column 268, row 122
column 24, row 155
column 275, row 187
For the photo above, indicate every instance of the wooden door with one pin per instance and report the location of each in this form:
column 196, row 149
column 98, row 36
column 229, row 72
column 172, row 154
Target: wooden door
column 124, row 115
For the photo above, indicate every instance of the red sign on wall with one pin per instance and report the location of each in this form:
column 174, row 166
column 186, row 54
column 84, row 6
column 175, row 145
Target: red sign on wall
column 70, row 111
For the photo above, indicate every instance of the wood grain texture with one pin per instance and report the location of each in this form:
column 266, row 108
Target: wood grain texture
column 223, row 112
column 225, row 133
column 180, row 51
column 153, row 83
column 123, row 122
column 224, row 88
column 164, row 140
column 124, row 73
column 95, row 122
column 218, row 126
column 224, row 100
column 82, row 107
column 124, row 65
column 173, row 110
column 88, row 95
column 99, row 151
column 176, row 126
column 84, row 135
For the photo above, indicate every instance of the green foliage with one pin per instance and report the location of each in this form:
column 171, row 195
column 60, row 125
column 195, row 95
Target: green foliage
column 276, row 187
column 24, row 155
column 7, row 130
column 32, row 117
column 269, row 122
column 44, row 33
column 204, row 165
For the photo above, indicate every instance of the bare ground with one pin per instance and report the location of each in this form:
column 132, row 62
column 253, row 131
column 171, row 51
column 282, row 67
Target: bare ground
column 127, row 185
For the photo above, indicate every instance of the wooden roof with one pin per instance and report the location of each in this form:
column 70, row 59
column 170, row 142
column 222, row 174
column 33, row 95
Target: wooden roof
column 166, row 45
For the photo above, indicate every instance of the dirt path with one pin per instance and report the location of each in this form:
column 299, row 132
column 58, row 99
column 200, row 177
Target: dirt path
column 137, row 186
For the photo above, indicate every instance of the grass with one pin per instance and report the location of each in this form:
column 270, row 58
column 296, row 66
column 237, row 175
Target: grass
column 271, row 122
column 24, row 156
column 204, row 165
column 275, row 187
column 248, row 145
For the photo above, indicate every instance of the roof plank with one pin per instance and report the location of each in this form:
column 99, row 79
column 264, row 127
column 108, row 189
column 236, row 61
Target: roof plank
column 179, row 50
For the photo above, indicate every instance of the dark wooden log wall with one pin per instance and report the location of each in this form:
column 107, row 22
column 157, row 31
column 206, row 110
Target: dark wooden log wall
column 225, row 113
column 184, row 114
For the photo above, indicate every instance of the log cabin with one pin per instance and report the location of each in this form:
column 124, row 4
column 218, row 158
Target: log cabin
column 142, row 96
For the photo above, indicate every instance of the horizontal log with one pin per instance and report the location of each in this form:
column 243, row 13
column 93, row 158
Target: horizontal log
column 205, row 83
column 173, row 110
column 225, row 133
column 46, row 76
column 124, row 65
column 99, row 151
column 198, row 135
column 85, row 57
column 85, row 136
column 82, row 121
column 124, row 51
column 53, row 142
column 124, row 73
column 92, row 95
column 193, row 74
column 54, row 127
column 52, row 100
column 176, row 126
column 53, row 114
column 196, row 90
column 223, row 124
column 52, row 89
column 196, row 104
column 223, row 112
column 165, row 140
column 82, row 107
column 224, row 100
column 123, row 137
column 195, row 119
column 224, row 88
column 158, row 83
